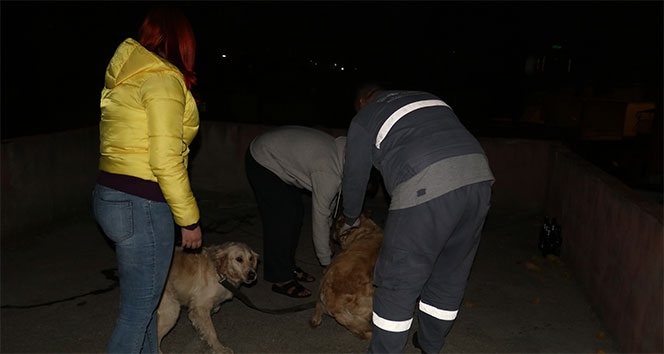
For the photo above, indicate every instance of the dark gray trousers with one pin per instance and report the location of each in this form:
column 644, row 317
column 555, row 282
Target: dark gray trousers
column 281, row 210
column 427, row 253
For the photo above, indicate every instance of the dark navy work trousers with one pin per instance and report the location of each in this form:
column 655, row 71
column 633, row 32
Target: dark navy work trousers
column 427, row 254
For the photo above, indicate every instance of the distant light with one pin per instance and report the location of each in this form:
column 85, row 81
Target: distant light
column 224, row 56
column 342, row 68
column 335, row 65
column 556, row 46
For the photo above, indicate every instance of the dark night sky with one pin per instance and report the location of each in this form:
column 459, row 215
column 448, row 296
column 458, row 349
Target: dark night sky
column 471, row 53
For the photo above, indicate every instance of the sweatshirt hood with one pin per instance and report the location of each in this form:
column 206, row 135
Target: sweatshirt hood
column 130, row 59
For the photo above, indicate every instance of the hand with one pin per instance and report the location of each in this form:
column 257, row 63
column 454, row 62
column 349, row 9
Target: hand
column 192, row 238
column 347, row 227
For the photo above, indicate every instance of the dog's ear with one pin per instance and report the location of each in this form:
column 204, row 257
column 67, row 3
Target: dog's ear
column 221, row 261
column 255, row 256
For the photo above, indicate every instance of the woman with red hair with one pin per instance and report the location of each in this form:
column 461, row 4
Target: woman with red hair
column 148, row 119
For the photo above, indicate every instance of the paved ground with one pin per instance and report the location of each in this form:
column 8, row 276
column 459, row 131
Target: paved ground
column 516, row 302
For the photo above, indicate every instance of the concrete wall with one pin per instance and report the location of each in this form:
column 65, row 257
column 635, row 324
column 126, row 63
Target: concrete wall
column 612, row 237
column 49, row 178
column 46, row 178
column 217, row 161
column 520, row 166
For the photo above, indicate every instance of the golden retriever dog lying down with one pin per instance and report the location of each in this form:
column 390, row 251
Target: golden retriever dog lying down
column 346, row 289
column 193, row 281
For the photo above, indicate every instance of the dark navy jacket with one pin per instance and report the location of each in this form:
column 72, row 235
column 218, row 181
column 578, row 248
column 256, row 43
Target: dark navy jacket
column 419, row 139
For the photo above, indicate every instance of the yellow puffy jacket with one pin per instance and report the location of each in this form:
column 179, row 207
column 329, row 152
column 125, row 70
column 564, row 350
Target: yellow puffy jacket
column 148, row 120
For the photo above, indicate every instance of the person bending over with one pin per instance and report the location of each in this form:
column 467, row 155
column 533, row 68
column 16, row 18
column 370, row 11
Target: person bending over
column 439, row 181
column 280, row 164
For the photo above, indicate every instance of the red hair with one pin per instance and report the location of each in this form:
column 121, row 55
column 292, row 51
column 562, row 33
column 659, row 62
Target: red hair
column 167, row 32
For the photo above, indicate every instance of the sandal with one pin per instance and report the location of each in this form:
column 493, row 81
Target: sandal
column 292, row 289
column 302, row 275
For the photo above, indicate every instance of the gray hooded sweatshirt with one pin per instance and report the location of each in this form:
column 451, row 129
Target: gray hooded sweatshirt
column 311, row 159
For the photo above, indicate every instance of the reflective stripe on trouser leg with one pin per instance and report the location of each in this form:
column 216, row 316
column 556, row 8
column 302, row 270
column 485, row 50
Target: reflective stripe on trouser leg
column 392, row 319
column 443, row 315
column 391, row 326
column 433, row 325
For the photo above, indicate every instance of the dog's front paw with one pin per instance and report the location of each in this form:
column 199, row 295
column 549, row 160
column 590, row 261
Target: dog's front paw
column 314, row 322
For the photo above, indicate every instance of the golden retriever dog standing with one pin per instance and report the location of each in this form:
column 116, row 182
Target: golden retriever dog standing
column 193, row 281
column 346, row 289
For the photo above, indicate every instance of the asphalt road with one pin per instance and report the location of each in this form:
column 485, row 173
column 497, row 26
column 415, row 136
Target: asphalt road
column 58, row 293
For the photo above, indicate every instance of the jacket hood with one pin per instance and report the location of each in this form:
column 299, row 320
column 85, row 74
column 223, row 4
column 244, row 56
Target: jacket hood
column 132, row 58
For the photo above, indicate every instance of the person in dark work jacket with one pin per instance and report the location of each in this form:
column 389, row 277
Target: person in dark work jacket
column 439, row 181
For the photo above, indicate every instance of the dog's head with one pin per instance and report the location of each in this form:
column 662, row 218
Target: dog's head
column 237, row 262
column 367, row 226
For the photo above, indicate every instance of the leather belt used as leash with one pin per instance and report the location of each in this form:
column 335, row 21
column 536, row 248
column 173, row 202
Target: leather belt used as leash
column 236, row 293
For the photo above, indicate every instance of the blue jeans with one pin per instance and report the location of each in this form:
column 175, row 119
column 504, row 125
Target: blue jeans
column 142, row 231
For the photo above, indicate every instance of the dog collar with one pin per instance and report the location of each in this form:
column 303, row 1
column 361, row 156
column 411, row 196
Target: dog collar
column 223, row 281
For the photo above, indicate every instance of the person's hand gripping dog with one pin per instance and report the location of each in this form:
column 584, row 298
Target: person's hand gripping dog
column 347, row 227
